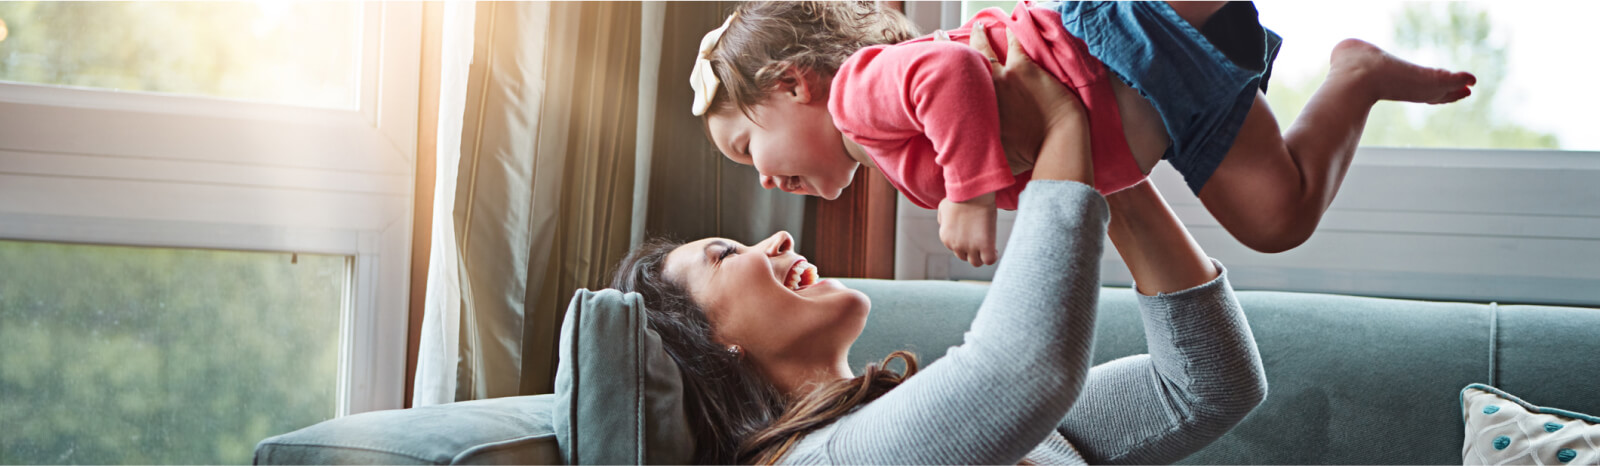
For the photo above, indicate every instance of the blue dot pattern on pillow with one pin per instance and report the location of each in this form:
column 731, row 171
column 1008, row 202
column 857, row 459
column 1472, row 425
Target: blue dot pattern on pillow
column 1566, row 454
column 1503, row 429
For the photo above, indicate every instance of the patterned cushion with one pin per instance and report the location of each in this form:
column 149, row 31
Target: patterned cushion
column 1503, row 429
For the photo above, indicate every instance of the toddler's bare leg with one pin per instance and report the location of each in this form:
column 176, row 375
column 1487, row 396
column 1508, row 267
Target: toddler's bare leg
column 1271, row 190
column 1196, row 13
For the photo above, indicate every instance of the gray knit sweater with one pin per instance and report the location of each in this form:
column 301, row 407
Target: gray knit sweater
column 1020, row 385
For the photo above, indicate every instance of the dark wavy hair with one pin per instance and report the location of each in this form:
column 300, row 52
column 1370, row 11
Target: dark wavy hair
column 736, row 415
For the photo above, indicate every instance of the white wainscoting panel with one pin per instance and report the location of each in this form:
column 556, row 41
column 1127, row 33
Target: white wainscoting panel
column 1465, row 225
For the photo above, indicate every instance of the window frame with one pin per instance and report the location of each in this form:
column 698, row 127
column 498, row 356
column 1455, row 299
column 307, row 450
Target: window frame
column 144, row 169
column 1485, row 225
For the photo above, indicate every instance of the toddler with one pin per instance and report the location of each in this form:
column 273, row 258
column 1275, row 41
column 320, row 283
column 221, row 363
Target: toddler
column 807, row 91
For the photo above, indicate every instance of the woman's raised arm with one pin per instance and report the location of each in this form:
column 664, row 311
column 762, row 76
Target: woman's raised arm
column 1006, row 388
column 1203, row 373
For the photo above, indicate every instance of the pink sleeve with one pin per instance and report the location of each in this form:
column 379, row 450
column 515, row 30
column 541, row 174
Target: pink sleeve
column 947, row 95
column 953, row 96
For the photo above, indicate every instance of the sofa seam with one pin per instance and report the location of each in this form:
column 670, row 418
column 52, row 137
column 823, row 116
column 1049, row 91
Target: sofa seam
column 638, row 385
column 577, row 382
column 415, row 456
column 496, row 446
column 1494, row 342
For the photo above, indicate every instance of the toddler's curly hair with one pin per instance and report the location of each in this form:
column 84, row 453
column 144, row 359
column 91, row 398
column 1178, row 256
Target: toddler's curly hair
column 768, row 38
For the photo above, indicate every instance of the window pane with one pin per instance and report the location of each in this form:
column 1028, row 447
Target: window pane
column 280, row 52
column 1531, row 81
column 1532, row 72
column 128, row 355
column 972, row 7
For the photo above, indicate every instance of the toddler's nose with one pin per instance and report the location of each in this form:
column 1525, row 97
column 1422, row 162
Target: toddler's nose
column 768, row 182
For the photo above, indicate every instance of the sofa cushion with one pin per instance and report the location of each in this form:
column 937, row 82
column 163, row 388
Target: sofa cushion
column 512, row 430
column 1339, row 368
column 619, row 397
column 1502, row 429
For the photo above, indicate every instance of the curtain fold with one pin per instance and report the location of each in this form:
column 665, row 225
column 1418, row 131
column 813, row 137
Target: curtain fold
column 585, row 165
column 497, row 220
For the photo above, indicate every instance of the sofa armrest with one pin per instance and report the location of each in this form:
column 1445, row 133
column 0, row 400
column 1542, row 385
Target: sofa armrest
column 512, row 430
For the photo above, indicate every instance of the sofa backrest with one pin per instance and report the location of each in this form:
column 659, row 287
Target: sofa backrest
column 1350, row 379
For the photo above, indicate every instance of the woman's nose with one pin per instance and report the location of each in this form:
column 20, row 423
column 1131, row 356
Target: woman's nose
column 779, row 243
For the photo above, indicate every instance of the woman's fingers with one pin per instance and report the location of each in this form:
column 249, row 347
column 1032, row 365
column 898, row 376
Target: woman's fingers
column 1014, row 54
column 979, row 40
column 1019, row 63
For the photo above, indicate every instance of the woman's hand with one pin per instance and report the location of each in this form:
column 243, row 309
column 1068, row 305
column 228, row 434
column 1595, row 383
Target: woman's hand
column 1042, row 114
column 1040, row 118
column 1031, row 99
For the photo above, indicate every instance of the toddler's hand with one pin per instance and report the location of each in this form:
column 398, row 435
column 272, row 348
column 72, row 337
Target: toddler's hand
column 967, row 228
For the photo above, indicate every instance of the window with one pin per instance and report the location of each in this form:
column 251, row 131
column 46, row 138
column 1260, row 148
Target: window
column 1520, row 52
column 1529, row 92
column 281, row 52
column 276, row 178
column 119, row 354
column 1488, row 199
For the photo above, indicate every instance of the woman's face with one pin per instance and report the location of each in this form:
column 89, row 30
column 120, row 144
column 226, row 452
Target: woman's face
column 769, row 300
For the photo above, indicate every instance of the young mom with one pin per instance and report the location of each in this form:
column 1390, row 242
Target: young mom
column 762, row 343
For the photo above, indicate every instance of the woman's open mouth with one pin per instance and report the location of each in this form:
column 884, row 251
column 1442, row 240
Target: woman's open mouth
column 801, row 275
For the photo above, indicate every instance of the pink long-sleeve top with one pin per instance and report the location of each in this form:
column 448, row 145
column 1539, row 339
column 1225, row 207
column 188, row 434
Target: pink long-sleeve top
column 925, row 110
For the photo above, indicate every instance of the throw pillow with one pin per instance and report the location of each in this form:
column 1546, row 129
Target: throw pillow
column 1503, row 429
column 619, row 397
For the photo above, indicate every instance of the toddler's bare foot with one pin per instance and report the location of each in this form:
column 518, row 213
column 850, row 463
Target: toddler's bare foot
column 1390, row 78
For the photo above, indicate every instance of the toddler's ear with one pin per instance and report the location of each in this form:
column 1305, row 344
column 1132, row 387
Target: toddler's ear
column 796, row 84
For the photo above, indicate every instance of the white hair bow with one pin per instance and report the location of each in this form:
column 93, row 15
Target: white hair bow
column 703, row 80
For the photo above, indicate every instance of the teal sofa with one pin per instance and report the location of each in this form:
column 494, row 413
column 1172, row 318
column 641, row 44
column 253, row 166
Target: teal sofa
column 1351, row 380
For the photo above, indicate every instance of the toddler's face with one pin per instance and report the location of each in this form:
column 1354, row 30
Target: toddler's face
column 793, row 145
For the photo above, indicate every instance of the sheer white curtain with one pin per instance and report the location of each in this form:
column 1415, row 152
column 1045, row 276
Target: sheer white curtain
column 438, row 349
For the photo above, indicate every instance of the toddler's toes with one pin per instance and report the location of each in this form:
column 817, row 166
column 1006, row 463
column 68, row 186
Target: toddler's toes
column 1392, row 78
column 1454, row 95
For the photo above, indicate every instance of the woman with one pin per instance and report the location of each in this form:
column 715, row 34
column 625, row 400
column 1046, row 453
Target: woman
column 762, row 344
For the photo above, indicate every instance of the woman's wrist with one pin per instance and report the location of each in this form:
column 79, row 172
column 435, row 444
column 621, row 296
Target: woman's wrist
column 1065, row 152
column 1153, row 242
